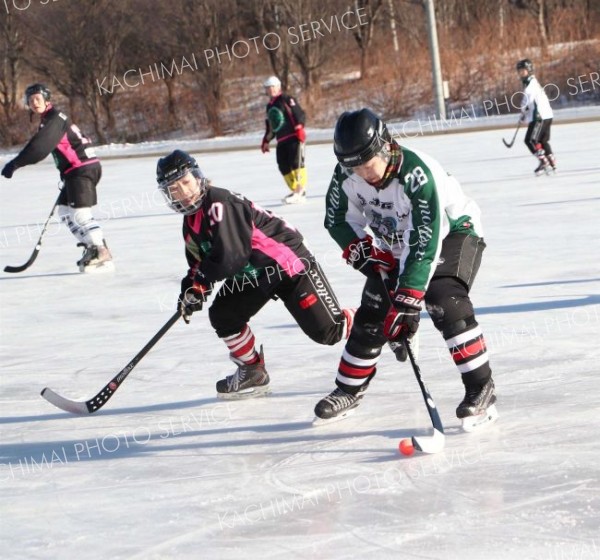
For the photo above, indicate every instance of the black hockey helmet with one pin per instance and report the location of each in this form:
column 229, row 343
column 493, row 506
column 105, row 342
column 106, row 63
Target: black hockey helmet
column 171, row 169
column 525, row 63
column 36, row 88
column 358, row 137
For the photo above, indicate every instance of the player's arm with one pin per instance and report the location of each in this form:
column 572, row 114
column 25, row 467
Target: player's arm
column 425, row 234
column 297, row 111
column 43, row 142
column 269, row 135
column 344, row 220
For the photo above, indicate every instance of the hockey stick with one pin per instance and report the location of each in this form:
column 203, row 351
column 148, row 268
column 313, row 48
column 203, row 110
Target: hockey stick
column 510, row 144
column 97, row 402
column 436, row 442
column 38, row 245
column 300, row 161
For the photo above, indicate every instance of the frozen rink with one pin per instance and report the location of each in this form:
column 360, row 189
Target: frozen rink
column 165, row 471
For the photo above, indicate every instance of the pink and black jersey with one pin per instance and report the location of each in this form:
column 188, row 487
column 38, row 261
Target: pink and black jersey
column 230, row 236
column 59, row 136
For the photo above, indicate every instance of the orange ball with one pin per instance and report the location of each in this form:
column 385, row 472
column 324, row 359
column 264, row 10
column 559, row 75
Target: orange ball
column 406, row 447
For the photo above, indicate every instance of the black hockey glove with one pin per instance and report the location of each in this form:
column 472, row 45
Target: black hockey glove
column 402, row 319
column 9, row 169
column 192, row 297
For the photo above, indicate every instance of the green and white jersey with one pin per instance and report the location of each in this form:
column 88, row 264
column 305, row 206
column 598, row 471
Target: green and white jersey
column 410, row 217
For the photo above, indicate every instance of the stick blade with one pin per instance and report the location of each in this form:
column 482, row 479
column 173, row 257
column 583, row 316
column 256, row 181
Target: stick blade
column 507, row 144
column 64, row 404
column 14, row 269
column 430, row 444
column 26, row 265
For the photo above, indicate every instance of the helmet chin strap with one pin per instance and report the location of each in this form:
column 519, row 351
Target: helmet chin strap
column 394, row 160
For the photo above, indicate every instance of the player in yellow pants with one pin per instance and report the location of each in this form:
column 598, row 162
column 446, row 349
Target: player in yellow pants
column 285, row 121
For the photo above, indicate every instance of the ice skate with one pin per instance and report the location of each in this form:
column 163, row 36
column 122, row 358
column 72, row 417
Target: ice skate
column 477, row 409
column 544, row 166
column 552, row 161
column 248, row 381
column 297, row 197
column 95, row 258
column 337, row 405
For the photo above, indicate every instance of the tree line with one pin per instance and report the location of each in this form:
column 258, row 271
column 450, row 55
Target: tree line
column 132, row 70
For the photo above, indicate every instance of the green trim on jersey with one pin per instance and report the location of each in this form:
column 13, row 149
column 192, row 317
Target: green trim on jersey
column 276, row 118
column 419, row 186
column 205, row 249
column 336, row 206
column 463, row 224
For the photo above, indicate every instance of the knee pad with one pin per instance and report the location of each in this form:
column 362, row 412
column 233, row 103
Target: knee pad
column 451, row 312
column 447, row 302
column 454, row 328
column 366, row 339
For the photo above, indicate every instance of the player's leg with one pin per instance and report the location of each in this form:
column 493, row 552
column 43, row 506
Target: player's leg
column 360, row 355
column 75, row 211
column 451, row 310
column 233, row 306
column 310, row 299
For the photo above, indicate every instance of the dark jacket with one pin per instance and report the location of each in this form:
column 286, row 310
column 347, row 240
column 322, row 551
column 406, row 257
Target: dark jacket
column 59, row 136
column 283, row 115
column 229, row 235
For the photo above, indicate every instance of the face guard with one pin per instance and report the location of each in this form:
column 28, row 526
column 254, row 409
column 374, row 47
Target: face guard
column 181, row 182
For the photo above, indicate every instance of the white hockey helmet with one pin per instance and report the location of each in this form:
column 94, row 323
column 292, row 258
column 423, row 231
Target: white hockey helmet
column 272, row 81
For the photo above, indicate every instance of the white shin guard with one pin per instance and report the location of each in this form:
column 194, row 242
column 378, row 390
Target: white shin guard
column 82, row 224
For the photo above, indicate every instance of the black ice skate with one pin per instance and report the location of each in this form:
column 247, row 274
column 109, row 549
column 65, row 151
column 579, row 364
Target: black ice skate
column 247, row 382
column 477, row 409
column 95, row 258
column 337, row 405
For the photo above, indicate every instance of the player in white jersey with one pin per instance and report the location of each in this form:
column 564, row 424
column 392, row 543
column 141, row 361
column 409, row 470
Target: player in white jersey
column 536, row 111
column 396, row 210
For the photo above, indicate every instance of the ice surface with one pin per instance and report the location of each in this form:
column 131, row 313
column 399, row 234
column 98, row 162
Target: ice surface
column 166, row 471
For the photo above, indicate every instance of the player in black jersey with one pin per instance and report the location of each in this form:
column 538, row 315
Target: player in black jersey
column 285, row 121
column 259, row 256
column 79, row 169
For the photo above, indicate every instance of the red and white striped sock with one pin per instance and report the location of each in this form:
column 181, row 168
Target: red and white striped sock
column 353, row 372
column 242, row 347
column 469, row 353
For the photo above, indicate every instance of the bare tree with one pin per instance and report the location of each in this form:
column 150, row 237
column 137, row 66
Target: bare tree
column 538, row 8
column 207, row 26
column 363, row 34
column 12, row 45
column 78, row 48
column 146, row 51
column 308, row 53
column 269, row 17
